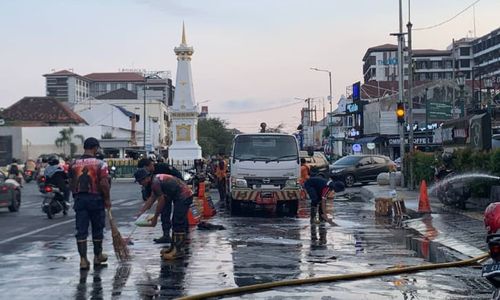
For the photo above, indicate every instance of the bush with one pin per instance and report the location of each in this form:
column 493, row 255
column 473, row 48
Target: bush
column 422, row 167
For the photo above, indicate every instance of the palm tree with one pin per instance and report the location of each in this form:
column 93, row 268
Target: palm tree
column 66, row 138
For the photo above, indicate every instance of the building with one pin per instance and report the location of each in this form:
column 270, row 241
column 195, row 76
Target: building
column 70, row 87
column 31, row 126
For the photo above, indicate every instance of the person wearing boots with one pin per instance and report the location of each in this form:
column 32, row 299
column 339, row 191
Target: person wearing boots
column 319, row 190
column 159, row 168
column 89, row 181
column 167, row 188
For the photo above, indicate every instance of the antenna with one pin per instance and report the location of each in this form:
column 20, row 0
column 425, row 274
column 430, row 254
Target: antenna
column 474, row 18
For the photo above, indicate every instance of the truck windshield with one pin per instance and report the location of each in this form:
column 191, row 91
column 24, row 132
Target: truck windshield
column 265, row 147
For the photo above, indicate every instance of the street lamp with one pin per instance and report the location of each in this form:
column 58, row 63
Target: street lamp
column 488, row 84
column 461, row 83
column 331, row 104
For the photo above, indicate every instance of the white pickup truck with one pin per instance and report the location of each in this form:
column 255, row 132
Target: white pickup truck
column 264, row 171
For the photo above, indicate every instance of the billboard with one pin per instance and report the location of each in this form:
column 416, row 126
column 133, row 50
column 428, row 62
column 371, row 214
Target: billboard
column 439, row 111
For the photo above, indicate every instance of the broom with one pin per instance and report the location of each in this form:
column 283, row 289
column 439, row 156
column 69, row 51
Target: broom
column 120, row 246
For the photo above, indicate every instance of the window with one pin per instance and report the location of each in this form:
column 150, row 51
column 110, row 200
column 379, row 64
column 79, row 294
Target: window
column 465, row 63
column 378, row 160
column 435, row 76
column 265, row 147
column 436, row 65
column 464, row 51
column 113, row 86
column 365, row 161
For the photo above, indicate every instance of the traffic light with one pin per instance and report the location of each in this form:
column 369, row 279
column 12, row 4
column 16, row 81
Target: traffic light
column 400, row 113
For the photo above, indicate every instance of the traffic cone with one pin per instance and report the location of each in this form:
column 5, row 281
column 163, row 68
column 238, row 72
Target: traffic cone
column 423, row 202
column 193, row 215
column 208, row 207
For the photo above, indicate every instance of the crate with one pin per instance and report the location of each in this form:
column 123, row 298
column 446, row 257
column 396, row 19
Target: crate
column 383, row 206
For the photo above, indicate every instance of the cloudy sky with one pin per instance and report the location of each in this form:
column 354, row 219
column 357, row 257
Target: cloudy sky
column 249, row 55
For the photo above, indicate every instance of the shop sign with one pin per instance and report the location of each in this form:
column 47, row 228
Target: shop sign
column 356, row 148
column 370, row 146
column 416, row 141
column 353, row 132
column 352, row 108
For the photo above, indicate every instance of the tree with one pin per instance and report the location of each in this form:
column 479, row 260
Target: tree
column 214, row 136
column 277, row 129
column 66, row 139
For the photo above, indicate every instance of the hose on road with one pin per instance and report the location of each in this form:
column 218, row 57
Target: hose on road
column 341, row 277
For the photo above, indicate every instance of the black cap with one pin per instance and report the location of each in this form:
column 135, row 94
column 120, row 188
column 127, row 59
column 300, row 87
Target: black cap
column 140, row 174
column 90, row 143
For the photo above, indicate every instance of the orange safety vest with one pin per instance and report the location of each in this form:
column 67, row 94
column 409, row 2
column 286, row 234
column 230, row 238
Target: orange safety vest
column 304, row 173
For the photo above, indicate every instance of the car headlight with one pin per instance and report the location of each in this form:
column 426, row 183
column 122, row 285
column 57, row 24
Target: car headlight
column 337, row 170
column 291, row 183
column 238, row 182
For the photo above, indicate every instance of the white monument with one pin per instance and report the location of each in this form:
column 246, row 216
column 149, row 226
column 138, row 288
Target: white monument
column 184, row 110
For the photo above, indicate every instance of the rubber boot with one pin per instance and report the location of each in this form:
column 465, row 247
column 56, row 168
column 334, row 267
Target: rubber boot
column 314, row 211
column 163, row 240
column 320, row 214
column 82, row 250
column 176, row 251
column 99, row 257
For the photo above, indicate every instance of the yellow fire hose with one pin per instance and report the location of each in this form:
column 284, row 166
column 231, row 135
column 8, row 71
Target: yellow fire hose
column 342, row 277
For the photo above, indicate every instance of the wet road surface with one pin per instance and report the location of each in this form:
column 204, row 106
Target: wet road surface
column 44, row 264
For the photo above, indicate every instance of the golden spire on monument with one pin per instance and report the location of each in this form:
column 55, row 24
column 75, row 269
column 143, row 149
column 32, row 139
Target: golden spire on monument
column 183, row 42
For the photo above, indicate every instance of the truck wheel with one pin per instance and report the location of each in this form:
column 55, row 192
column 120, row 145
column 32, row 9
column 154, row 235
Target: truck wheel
column 235, row 206
column 293, row 207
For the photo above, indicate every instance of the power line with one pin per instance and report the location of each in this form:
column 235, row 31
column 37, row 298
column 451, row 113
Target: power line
column 255, row 111
column 446, row 21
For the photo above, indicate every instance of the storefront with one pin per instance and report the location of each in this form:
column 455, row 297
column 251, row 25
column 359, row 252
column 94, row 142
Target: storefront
column 423, row 141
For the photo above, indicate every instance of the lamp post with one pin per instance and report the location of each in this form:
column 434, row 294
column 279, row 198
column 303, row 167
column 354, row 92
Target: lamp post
column 331, row 104
column 488, row 84
column 461, row 83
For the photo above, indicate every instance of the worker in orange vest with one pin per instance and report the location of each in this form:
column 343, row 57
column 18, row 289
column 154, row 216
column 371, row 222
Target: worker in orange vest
column 305, row 171
column 220, row 174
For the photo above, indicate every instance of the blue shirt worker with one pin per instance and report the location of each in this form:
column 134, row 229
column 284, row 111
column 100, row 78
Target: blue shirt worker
column 89, row 180
column 166, row 188
column 320, row 189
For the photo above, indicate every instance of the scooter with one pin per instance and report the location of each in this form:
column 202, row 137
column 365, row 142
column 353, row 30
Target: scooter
column 452, row 193
column 53, row 201
column 491, row 270
column 40, row 180
column 28, row 175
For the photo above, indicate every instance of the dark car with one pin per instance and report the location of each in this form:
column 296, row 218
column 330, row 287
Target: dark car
column 361, row 168
column 317, row 163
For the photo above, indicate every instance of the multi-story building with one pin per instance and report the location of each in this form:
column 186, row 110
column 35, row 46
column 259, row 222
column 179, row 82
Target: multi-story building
column 70, row 87
column 486, row 53
column 67, row 86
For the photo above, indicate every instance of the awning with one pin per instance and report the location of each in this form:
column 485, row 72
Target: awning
column 368, row 139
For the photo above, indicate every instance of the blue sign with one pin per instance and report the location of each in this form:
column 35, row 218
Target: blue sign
column 352, row 107
column 356, row 91
column 356, row 148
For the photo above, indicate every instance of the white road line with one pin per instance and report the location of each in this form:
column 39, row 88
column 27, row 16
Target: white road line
column 35, row 231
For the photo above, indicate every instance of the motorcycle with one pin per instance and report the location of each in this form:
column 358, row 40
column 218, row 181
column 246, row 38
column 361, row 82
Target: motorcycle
column 53, row 201
column 451, row 193
column 17, row 178
column 40, row 180
column 491, row 270
column 112, row 173
column 28, row 175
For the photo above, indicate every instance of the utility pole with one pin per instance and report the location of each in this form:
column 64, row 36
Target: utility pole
column 401, row 89
column 410, row 98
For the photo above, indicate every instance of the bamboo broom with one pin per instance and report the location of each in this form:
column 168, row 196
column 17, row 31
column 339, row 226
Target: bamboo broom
column 120, row 246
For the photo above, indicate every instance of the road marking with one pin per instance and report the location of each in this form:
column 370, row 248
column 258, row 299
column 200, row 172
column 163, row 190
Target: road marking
column 35, row 231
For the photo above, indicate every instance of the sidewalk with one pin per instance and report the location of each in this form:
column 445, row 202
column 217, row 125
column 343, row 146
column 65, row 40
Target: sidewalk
column 462, row 231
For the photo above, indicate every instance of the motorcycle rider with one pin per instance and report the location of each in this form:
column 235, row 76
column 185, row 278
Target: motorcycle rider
column 14, row 172
column 159, row 168
column 167, row 188
column 56, row 176
column 89, row 180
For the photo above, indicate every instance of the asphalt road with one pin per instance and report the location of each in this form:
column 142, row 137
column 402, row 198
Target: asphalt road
column 38, row 257
column 30, row 224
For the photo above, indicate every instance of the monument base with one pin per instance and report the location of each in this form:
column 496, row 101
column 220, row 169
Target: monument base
column 188, row 153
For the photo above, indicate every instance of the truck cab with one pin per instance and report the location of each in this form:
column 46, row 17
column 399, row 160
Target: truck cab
column 264, row 172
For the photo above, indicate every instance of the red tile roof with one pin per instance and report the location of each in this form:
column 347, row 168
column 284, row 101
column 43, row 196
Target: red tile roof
column 40, row 111
column 118, row 94
column 62, row 72
column 116, row 77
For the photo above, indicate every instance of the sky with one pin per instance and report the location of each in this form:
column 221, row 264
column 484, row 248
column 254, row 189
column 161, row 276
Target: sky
column 249, row 55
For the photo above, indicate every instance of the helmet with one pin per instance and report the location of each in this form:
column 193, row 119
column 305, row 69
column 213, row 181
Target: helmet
column 53, row 160
column 492, row 218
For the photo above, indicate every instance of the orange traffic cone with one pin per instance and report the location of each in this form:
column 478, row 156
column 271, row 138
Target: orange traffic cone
column 423, row 202
column 193, row 215
column 208, row 208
